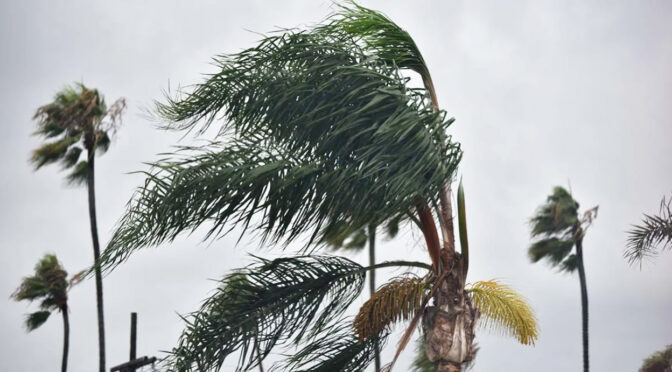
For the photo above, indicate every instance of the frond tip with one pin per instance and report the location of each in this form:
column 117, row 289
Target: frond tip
column 504, row 309
column 654, row 231
column 397, row 300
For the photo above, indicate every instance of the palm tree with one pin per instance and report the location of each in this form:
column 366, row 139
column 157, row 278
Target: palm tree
column 558, row 229
column 50, row 286
column 78, row 120
column 322, row 132
column 655, row 231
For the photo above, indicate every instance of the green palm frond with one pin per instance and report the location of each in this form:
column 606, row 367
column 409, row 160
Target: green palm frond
column 504, row 309
column 36, row 319
column 552, row 249
column 336, row 349
column 399, row 299
column 320, row 133
column 270, row 302
column 655, row 231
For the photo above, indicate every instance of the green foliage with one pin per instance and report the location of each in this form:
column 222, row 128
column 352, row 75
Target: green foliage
column 660, row 361
column 654, row 231
column 504, row 309
column 320, row 133
column 36, row 319
column 270, row 303
column 76, row 119
column 555, row 225
column 336, row 349
column 48, row 285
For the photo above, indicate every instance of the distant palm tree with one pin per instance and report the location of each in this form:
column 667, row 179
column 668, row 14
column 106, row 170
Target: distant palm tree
column 50, row 286
column 558, row 229
column 655, row 231
column 78, row 120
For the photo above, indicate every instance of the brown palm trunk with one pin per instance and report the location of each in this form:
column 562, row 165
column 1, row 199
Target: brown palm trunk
column 584, row 303
column 90, row 183
column 66, row 338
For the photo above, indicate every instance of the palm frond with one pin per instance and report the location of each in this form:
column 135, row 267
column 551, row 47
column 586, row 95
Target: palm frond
column 270, row 303
column 399, row 299
column 655, row 232
column 323, row 134
column 335, row 349
column 554, row 250
column 504, row 309
column 79, row 174
column 36, row 319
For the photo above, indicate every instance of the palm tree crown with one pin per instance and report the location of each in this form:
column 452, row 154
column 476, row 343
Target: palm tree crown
column 48, row 285
column 76, row 120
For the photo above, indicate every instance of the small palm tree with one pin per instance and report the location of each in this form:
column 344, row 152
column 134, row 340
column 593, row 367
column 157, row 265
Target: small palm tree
column 559, row 233
column 323, row 132
column 49, row 285
column 79, row 122
column 655, row 231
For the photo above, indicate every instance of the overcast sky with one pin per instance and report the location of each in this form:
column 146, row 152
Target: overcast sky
column 544, row 93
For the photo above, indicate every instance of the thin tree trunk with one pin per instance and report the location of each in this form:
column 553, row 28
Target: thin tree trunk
column 66, row 338
column 584, row 303
column 372, row 281
column 90, row 182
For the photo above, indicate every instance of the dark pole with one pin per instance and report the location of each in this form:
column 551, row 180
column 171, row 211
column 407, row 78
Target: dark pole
column 134, row 335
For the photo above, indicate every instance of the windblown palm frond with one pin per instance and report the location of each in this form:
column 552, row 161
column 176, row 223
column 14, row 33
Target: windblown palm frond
column 268, row 303
column 654, row 232
column 335, row 349
column 320, row 133
column 399, row 299
column 420, row 362
column 504, row 309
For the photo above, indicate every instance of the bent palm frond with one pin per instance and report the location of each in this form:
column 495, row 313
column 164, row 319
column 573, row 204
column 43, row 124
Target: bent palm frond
column 335, row 349
column 399, row 299
column 655, row 231
column 267, row 304
column 504, row 309
column 320, row 133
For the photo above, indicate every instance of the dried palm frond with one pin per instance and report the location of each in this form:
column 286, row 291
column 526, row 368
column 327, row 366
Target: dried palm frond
column 397, row 300
column 504, row 309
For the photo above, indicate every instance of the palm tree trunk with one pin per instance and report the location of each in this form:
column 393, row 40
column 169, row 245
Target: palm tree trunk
column 66, row 338
column 372, row 282
column 90, row 182
column 584, row 303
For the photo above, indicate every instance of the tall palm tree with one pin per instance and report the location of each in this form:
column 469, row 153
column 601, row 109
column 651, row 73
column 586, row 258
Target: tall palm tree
column 654, row 231
column 322, row 131
column 49, row 285
column 558, row 230
column 78, row 121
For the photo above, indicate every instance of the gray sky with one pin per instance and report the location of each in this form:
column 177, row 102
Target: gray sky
column 544, row 93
